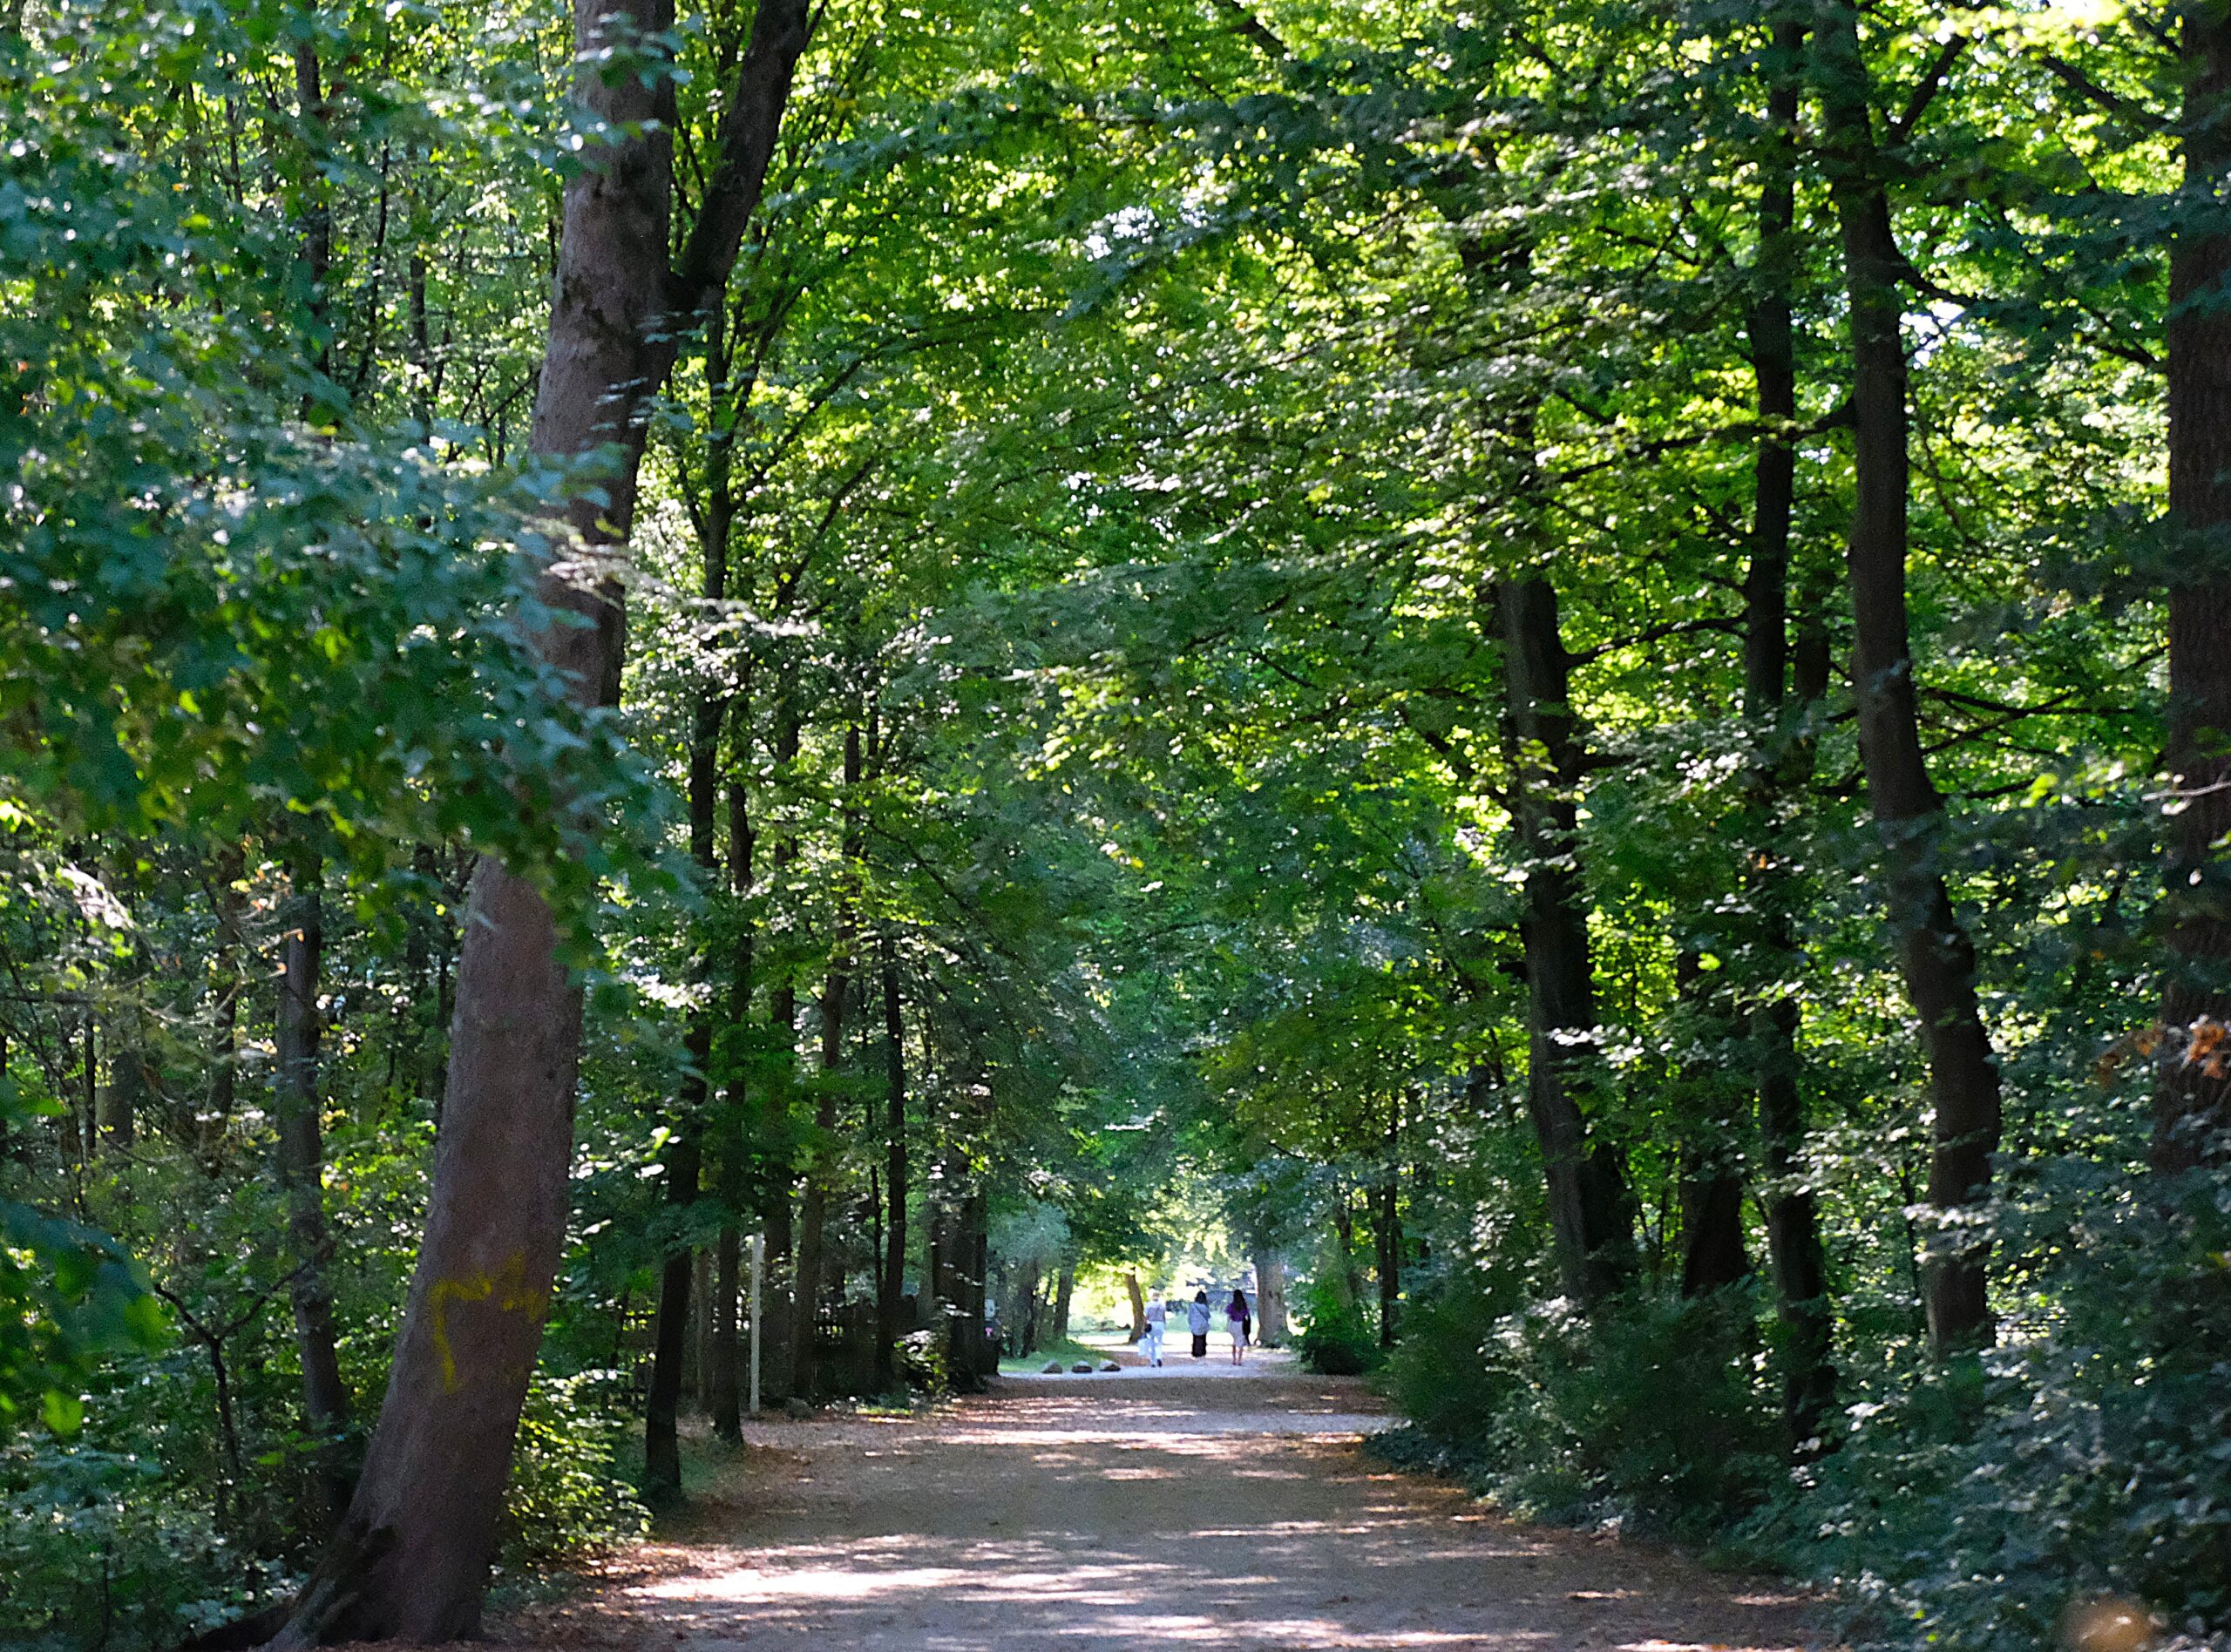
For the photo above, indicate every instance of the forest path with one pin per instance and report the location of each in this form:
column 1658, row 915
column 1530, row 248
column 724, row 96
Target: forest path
column 1190, row 1506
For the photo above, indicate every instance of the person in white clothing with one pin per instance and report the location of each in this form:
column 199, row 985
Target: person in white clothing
column 1157, row 1322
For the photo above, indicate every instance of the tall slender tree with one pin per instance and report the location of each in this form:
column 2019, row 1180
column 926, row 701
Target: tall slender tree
column 1936, row 954
column 410, row 1559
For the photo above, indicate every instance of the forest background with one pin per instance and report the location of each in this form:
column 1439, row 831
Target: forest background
column 1558, row 665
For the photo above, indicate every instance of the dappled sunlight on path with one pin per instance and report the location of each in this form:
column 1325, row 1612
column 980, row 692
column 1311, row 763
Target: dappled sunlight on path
column 1170, row 1511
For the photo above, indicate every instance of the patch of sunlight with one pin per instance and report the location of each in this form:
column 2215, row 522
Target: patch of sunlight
column 817, row 1583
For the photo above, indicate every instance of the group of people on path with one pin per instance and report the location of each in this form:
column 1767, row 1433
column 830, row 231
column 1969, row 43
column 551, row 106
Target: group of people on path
column 1238, row 1319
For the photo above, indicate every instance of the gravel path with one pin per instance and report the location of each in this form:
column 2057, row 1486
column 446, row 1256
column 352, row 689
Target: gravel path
column 1180, row 1508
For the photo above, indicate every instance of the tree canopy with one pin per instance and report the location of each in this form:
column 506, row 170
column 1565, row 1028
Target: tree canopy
column 1556, row 674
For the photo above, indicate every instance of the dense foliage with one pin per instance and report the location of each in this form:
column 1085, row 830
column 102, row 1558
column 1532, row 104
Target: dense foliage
column 1261, row 640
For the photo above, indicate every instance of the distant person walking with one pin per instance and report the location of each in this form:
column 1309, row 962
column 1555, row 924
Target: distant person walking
column 1197, row 1321
column 1236, row 1318
column 1157, row 1322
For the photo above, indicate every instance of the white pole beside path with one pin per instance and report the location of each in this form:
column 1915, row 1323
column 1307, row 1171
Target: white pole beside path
column 758, row 1263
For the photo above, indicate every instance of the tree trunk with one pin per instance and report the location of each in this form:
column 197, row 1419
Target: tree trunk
column 1023, row 1324
column 661, row 1450
column 1062, row 1291
column 741, row 1142
column 301, row 1174
column 1712, row 1256
column 779, row 1366
column 976, row 1234
column 813, row 1209
column 127, row 1089
column 1387, row 1248
column 778, row 1360
column 1936, row 955
column 892, row 1278
column 699, row 1370
column 229, row 907
column 1138, row 1305
column 2192, row 1093
column 1344, row 1234
column 1269, row 1298
column 685, row 1166
column 1590, row 1223
column 1783, row 763
column 723, row 1395
column 410, row 1561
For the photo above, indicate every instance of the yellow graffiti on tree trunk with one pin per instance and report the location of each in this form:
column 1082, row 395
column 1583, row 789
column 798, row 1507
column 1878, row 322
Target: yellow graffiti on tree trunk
column 508, row 1289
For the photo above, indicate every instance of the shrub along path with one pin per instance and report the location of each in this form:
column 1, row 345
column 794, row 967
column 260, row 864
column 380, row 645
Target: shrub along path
column 1192, row 1506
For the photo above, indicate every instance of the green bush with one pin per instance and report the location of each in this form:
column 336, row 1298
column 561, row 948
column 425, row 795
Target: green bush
column 1972, row 1501
column 1335, row 1339
column 567, row 1495
column 1649, row 1411
column 97, row 1550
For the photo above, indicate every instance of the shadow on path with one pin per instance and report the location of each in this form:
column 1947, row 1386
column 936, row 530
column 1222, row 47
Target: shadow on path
column 1164, row 1510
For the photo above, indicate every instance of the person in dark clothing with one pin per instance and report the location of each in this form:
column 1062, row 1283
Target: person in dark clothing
column 1197, row 1321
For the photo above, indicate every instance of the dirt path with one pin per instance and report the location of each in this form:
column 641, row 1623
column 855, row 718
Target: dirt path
column 1147, row 1509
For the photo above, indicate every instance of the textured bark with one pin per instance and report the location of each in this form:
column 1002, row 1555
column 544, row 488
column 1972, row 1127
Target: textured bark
column 1062, row 1290
column 2192, row 1093
column 1590, row 1221
column 301, row 1174
column 1269, row 1298
column 1783, row 763
column 1936, row 955
column 1138, row 1305
column 410, row 1560
column 118, row 1113
column 892, row 1280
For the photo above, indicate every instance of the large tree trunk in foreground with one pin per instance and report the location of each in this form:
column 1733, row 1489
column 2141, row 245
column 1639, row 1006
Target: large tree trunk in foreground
column 1782, row 765
column 2193, row 1097
column 1934, row 953
column 302, row 1173
column 1590, row 1224
column 410, row 1560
